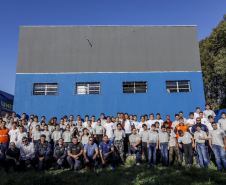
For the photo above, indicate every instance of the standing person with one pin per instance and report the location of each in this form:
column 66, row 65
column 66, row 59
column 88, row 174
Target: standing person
column 163, row 146
column 27, row 152
column 19, row 136
column 55, row 121
column 222, row 122
column 42, row 126
column 135, row 122
column 144, row 137
column 36, row 135
column 62, row 125
column 208, row 112
column 140, row 126
column 157, row 128
column 3, row 138
column 78, row 119
column 114, row 124
column 188, row 142
column 196, row 114
column 43, row 118
column 127, row 126
column 56, row 135
column 151, row 120
column 181, row 115
column 12, row 157
column 26, row 127
column 191, row 121
column 6, row 118
column 119, row 136
column 103, row 121
column 203, row 120
column 15, row 119
column 94, row 123
column 80, row 127
column 65, row 120
column 33, row 125
column 10, row 125
column 66, row 136
column 59, row 155
column 75, row 152
column 135, row 142
column 13, row 133
column 200, row 137
column 158, row 118
column 217, row 140
column 84, row 137
column 90, row 153
column 47, row 133
column 51, row 126
column 85, row 124
column 168, row 121
column 108, row 126
column 90, row 128
column 70, row 123
column 24, row 115
column 71, row 117
column 98, row 132
column 173, row 146
column 209, row 123
column 43, row 153
column 106, row 148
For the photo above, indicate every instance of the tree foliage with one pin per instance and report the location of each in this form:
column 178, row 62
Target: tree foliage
column 213, row 62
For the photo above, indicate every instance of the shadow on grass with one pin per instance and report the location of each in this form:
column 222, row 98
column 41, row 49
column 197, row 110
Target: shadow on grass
column 129, row 174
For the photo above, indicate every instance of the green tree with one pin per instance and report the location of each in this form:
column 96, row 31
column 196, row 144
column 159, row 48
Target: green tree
column 213, row 62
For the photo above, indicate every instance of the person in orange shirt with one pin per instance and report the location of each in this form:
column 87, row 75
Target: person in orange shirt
column 184, row 128
column 3, row 140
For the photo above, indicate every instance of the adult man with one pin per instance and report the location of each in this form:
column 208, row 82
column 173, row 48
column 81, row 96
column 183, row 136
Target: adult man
column 43, row 153
column 13, row 133
column 6, row 118
column 103, row 121
column 80, row 127
column 158, row 119
column 135, row 142
column 217, row 140
column 15, row 119
column 71, row 117
column 176, row 122
column 59, row 155
column 181, row 115
column 191, row 121
column 27, row 152
column 106, row 148
column 222, row 122
column 203, row 119
column 12, row 157
column 108, row 126
column 168, row 121
column 3, row 138
column 209, row 112
column 90, row 153
column 74, row 152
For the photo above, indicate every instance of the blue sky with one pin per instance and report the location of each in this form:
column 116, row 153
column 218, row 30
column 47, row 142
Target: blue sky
column 206, row 14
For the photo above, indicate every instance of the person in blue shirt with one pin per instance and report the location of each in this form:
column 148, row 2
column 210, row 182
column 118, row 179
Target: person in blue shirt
column 90, row 153
column 106, row 148
column 205, row 129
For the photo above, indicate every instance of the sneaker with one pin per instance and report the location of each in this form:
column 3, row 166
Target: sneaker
column 86, row 167
column 112, row 168
column 138, row 164
column 95, row 168
column 148, row 166
column 130, row 154
column 127, row 154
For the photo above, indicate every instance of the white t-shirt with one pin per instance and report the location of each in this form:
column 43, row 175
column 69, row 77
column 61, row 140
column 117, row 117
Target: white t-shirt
column 136, row 124
column 160, row 122
column 204, row 121
column 196, row 115
column 109, row 130
column 150, row 122
column 85, row 124
column 127, row 127
column 19, row 137
column 93, row 124
column 13, row 134
column 191, row 121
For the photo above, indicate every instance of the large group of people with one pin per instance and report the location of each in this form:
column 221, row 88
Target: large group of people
column 89, row 143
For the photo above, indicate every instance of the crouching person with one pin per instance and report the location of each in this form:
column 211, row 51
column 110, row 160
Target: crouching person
column 75, row 152
column 135, row 142
column 43, row 153
column 59, row 155
column 106, row 148
column 12, row 157
column 90, row 153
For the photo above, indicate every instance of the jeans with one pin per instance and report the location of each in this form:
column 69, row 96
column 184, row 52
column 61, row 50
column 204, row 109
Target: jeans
column 11, row 162
column 152, row 149
column 77, row 163
column 207, row 155
column 219, row 154
column 181, row 153
column 137, row 152
column 201, row 148
column 188, row 151
column 164, row 153
column 91, row 160
column 32, row 162
column 3, row 147
column 109, row 156
column 145, row 150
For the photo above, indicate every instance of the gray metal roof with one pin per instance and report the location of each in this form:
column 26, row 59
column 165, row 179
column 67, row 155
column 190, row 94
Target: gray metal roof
column 59, row 49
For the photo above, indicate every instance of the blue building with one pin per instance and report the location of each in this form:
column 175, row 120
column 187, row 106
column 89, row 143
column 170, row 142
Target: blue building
column 6, row 105
column 79, row 70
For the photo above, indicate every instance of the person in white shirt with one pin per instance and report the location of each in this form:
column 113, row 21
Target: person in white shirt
column 127, row 126
column 85, row 124
column 191, row 121
column 13, row 133
column 108, row 126
column 65, row 120
column 181, row 114
column 222, row 122
column 196, row 114
column 103, row 121
column 208, row 112
column 203, row 120
column 94, row 123
column 145, row 118
column 151, row 120
column 27, row 152
column 158, row 118
column 135, row 122
column 140, row 126
column 209, row 123
column 19, row 136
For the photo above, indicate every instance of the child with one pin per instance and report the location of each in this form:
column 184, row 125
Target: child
column 200, row 137
column 157, row 129
column 70, row 123
column 152, row 145
column 188, row 142
column 99, row 132
column 36, row 135
column 62, row 125
column 119, row 136
column 19, row 136
column 144, row 138
column 24, row 124
column 66, row 136
column 163, row 145
column 173, row 146
column 191, row 121
column 56, row 135
column 47, row 133
column 84, row 138
column 89, row 127
column 42, row 126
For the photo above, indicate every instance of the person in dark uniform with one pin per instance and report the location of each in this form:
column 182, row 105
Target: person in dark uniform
column 106, row 148
column 59, row 155
column 43, row 153
column 12, row 157
column 75, row 152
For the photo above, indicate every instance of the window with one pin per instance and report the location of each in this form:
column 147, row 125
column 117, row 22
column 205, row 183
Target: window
column 178, row 86
column 88, row 88
column 135, row 87
column 45, row 89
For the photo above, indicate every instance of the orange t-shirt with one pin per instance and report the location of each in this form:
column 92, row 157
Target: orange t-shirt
column 181, row 127
column 4, row 135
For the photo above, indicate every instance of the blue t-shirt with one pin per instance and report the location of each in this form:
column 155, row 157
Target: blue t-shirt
column 90, row 149
column 203, row 128
column 106, row 147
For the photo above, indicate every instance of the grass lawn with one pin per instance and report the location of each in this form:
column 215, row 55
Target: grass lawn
column 128, row 174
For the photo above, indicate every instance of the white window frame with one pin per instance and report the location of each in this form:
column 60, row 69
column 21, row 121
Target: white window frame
column 46, row 89
column 134, row 87
column 177, row 86
column 78, row 90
